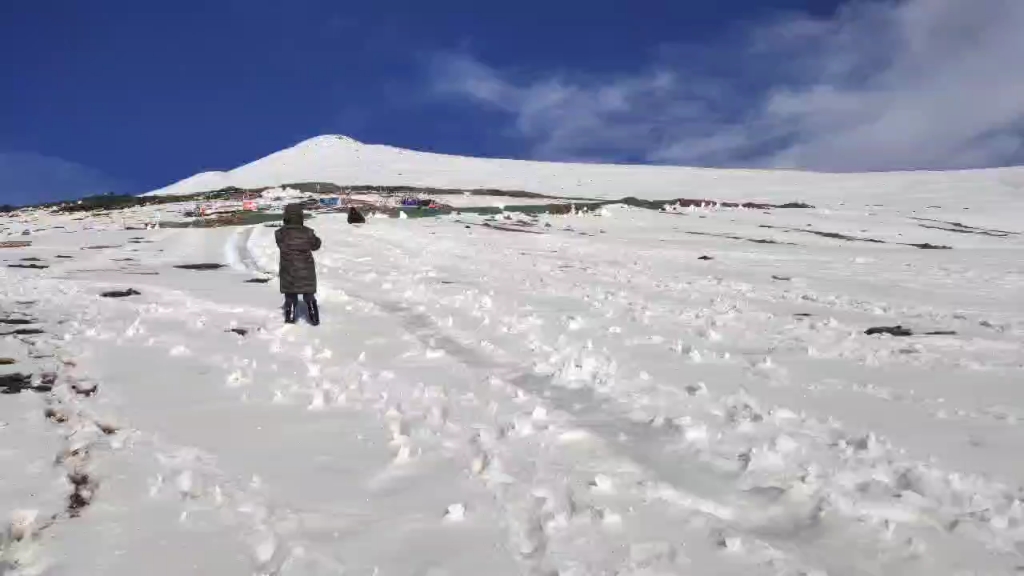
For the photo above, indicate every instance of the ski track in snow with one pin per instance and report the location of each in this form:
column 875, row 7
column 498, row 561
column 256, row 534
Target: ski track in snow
column 581, row 401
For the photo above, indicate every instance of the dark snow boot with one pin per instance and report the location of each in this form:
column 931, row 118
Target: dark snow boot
column 289, row 308
column 312, row 311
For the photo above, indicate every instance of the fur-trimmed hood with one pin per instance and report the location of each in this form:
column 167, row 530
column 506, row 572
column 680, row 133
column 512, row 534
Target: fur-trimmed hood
column 293, row 215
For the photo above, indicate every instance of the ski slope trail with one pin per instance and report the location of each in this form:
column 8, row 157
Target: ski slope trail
column 566, row 395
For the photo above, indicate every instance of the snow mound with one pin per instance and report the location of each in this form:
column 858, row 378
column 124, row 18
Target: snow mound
column 282, row 194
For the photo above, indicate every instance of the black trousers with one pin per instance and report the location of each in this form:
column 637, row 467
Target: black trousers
column 293, row 299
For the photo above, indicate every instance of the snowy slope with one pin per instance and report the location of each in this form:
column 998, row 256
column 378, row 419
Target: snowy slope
column 579, row 395
column 344, row 161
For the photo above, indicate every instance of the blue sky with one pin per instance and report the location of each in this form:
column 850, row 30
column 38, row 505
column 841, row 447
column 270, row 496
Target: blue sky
column 128, row 96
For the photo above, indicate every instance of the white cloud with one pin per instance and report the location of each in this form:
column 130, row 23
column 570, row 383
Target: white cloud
column 879, row 86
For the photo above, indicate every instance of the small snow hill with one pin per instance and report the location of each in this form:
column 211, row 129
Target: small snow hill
column 346, row 162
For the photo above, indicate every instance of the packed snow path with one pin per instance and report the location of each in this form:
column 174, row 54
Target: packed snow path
column 582, row 395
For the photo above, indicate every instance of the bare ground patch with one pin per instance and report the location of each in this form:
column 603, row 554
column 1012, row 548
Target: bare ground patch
column 847, row 238
column 742, row 238
column 201, row 267
column 959, row 228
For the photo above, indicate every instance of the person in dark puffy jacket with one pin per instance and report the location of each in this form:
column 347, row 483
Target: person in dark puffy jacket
column 297, row 269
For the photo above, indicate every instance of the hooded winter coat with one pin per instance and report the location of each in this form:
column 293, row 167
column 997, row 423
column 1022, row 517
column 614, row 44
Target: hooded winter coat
column 296, row 269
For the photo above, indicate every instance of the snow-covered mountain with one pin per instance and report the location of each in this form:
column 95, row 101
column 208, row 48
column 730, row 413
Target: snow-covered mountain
column 344, row 161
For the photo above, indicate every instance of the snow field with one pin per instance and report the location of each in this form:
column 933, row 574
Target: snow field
column 589, row 398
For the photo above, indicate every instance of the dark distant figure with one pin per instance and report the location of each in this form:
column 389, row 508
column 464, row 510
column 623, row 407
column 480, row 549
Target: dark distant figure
column 297, row 269
column 355, row 216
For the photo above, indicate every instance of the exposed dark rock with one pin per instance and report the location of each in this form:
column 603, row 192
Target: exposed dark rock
column 705, row 258
column 63, row 257
column 355, row 216
column 29, row 266
column 7, row 361
column 99, row 247
column 838, row 236
column 698, row 202
column 31, row 259
column 204, row 266
column 963, row 228
column 960, row 231
column 890, row 330
column 23, row 332
column 509, row 228
column 257, row 281
column 121, row 293
column 239, row 331
column 781, row 278
column 18, row 382
column 731, row 237
column 17, row 321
